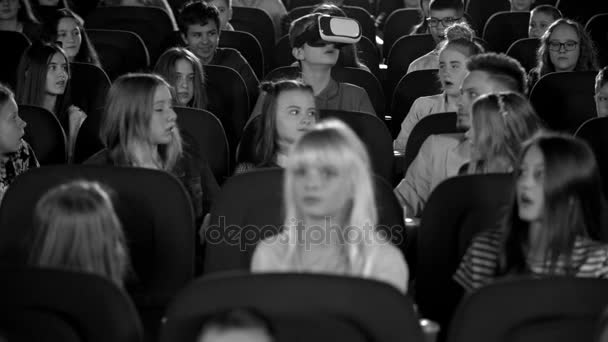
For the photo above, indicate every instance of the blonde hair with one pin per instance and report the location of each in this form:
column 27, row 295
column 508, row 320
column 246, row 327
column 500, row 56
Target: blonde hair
column 76, row 228
column 501, row 122
column 128, row 112
column 332, row 143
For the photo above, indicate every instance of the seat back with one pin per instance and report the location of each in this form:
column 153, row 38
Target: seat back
column 248, row 46
column 529, row 311
column 594, row 132
column 375, row 136
column 524, row 51
column 79, row 306
column 403, row 52
column 229, row 101
column 504, row 28
column 458, row 209
column 120, row 52
column 481, row 10
column 439, row 123
column 564, row 100
column 379, row 313
column 246, row 150
column 411, row 86
column 154, row 210
column 257, row 22
column 209, row 136
column 89, row 86
column 398, row 24
column 10, row 58
column 572, row 9
column 44, row 134
column 597, row 27
column 250, row 208
column 152, row 24
column 365, row 4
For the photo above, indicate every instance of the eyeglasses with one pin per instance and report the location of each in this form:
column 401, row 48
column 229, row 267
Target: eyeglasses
column 433, row 22
column 557, row 46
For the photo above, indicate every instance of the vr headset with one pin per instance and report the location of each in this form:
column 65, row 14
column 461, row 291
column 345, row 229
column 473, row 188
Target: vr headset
column 337, row 30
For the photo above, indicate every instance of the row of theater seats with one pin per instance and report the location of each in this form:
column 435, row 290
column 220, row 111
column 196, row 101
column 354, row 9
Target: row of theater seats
column 70, row 307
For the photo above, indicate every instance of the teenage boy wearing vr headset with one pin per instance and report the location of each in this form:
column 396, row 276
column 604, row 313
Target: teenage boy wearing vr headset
column 315, row 41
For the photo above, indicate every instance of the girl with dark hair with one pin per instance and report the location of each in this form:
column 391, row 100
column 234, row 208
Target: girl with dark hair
column 565, row 46
column 17, row 15
column 288, row 111
column 555, row 223
column 67, row 28
column 43, row 81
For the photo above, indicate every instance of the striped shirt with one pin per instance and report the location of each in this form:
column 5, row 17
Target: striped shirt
column 480, row 262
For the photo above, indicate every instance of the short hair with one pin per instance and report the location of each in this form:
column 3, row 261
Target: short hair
column 587, row 59
column 31, row 79
column 76, row 228
column 228, row 2
column 197, row 12
column 5, row 94
column 266, row 140
column 439, row 5
column 126, row 120
column 235, row 319
column 548, row 10
column 601, row 79
column 165, row 67
column 500, row 68
column 301, row 25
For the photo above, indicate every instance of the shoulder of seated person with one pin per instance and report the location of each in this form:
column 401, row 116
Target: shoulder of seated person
column 345, row 85
column 429, row 99
column 446, row 139
column 100, row 158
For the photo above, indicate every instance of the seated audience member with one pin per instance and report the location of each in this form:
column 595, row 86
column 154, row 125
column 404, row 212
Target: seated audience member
column 287, row 112
column 184, row 72
column 541, row 18
column 555, row 221
column 316, row 57
column 349, row 53
column 18, row 16
column 162, row 4
column 423, row 26
column 200, row 23
column 521, row 5
column 238, row 325
column 453, row 55
column 565, row 46
column 328, row 189
column 500, row 123
column 67, row 29
column 16, row 156
column 43, row 81
column 443, row 13
column 139, row 129
column 76, row 228
column 224, row 7
column 274, row 8
column 442, row 156
column 601, row 92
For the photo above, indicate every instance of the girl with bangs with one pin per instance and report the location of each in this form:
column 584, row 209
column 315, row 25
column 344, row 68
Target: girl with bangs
column 184, row 71
column 500, row 124
column 139, row 129
column 331, row 214
column 556, row 224
column 565, row 46
column 77, row 229
column 44, row 80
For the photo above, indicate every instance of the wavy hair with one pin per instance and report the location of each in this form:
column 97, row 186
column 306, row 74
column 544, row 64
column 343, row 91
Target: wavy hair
column 126, row 122
column 31, row 79
column 587, row 59
column 165, row 67
column 501, row 123
column 573, row 205
column 333, row 144
column 76, row 228
column 87, row 52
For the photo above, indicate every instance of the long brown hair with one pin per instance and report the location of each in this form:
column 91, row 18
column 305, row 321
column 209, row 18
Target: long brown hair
column 165, row 66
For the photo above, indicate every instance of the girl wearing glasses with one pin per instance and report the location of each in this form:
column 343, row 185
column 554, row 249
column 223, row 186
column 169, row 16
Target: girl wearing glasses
column 564, row 47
